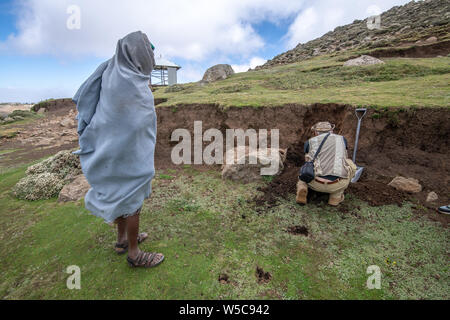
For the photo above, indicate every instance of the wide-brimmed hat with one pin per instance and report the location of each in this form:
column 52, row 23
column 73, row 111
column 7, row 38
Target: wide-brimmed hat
column 323, row 126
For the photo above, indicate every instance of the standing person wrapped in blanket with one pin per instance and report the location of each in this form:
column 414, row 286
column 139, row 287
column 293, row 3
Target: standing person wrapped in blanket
column 117, row 137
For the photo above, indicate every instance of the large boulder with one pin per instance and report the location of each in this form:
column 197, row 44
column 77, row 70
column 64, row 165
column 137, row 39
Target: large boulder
column 409, row 185
column 74, row 191
column 363, row 61
column 247, row 172
column 218, row 72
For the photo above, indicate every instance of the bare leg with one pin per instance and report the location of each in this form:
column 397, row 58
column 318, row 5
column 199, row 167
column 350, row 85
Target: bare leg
column 121, row 230
column 132, row 226
column 136, row 257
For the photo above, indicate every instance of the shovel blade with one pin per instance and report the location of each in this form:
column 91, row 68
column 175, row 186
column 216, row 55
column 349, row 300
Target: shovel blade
column 359, row 171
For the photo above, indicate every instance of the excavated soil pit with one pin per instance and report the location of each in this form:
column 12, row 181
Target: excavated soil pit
column 412, row 142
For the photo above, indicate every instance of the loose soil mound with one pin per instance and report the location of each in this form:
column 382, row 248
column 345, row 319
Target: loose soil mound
column 377, row 193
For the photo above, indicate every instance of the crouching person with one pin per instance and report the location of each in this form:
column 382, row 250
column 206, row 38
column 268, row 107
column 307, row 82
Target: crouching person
column 332, row 169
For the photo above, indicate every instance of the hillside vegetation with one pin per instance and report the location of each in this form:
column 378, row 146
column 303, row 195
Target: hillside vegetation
column 419, row 82
column 413, row 24
column 413, row 40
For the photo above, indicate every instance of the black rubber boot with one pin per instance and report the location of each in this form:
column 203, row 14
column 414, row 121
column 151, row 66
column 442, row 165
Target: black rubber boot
column 444, row 209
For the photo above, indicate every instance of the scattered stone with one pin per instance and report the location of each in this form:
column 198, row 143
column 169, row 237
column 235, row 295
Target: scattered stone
column 363, row 61
column 74, row 191
column 66, row 122
column 409, row 185
column 252, row 162
column 432, row 39
column 417, row 17
column 432, row 196
column 218, row 72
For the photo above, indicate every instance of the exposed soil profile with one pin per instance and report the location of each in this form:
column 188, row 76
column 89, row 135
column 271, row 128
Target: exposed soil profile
column 415, row 51
column 412, row 142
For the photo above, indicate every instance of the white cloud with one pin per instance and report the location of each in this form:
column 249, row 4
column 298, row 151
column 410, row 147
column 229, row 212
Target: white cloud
column 321, row 16
column 254, row 62
column 192, row 29
column 190, row 73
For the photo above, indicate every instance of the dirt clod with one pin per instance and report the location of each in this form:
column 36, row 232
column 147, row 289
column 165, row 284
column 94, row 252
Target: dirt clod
column 223, row 278
column 262, row 276
column 298, row 230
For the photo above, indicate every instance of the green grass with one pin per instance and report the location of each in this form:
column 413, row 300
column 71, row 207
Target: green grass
column 206, row 227
column 399, row 82
column 11, row 129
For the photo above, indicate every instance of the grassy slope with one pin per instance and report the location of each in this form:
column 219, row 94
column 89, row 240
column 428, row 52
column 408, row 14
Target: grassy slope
column 399, row 82
column 206, row 227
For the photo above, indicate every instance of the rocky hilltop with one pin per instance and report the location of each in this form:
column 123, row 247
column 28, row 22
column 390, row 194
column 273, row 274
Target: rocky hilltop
column 421, row 23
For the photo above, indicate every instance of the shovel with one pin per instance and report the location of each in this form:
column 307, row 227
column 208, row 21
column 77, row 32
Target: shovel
column 360, row 113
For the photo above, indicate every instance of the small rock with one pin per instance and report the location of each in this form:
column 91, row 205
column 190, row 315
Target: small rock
column 432, row 196
column 74, row 191
column 66, row 122
column 431, row 40
column 363, row 61
column 248, row 164
column 409, row 185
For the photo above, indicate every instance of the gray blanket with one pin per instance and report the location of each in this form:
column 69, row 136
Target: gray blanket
column 117, row 130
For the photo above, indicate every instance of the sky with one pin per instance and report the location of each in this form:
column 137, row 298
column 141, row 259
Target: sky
column 49, row 47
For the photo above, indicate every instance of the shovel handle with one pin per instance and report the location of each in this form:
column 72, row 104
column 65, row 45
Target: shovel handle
column 360, row 113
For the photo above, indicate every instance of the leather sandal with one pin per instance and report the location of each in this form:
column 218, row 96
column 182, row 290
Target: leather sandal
column 146, row 260
column 122, row 248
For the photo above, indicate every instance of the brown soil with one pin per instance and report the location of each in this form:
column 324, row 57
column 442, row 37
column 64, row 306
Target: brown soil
column 412, row 142
column 415, row 51
column 55, row 105
column 262, row 276
column 43, row 137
